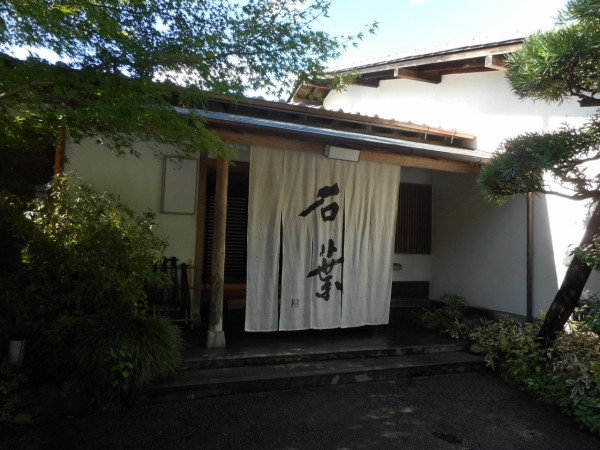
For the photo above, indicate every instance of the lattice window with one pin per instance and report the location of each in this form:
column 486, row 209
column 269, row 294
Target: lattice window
column 413, row 227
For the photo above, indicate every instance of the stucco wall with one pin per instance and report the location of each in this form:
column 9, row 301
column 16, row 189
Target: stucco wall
column 478, row 103
column 479, row 249
column 138, row 183
column 559, row 226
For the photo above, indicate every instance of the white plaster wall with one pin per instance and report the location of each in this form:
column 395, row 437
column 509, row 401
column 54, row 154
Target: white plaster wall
column 478, row 103
column 559, row 226
column 479, row 249
column 138, row 183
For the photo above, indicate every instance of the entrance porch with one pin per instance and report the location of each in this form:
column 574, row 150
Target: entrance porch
column 256, row 362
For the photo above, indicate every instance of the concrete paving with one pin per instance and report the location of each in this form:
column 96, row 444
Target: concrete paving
column 473, row 410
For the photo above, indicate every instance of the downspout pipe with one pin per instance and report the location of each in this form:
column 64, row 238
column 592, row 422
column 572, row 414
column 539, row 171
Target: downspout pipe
column 530, row 254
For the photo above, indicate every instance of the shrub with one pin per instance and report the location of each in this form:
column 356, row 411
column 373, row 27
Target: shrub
column 11, row 379
column 589, row 311
column 90, row 252
column 123, row 354
column 87, row 253
column 449, row 317
column 15, row 229
column 574, row 379
column 512, row 348
column 566, row 374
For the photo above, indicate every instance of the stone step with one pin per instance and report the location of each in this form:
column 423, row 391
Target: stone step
column 201, row 383
column 210, row 360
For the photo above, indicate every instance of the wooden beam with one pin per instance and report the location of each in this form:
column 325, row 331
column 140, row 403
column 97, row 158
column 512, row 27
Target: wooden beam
column 236, row 166
column 419, row 162
column 200, row 231
column 216, row 337
column 377, row 155
column 367, row 82
column 252, row 138
column 436, row 58
column 496, row 62
column 415, row 75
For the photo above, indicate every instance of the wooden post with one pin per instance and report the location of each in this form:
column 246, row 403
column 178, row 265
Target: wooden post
column 216, row 336
column 200, row 229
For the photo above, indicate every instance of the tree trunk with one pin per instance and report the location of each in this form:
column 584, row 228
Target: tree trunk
column 568, row 295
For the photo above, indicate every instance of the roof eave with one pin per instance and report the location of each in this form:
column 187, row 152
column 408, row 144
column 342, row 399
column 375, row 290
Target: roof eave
column 341, row 137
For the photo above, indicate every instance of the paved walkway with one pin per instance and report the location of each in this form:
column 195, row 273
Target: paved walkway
column 467, row 411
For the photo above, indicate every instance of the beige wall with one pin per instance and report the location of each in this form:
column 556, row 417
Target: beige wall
column 138, row 183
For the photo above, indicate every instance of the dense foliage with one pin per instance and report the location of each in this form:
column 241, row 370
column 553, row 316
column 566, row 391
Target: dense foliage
column 123, row 63
column 552, row 66
column 11, row 380
column 88, row 252
column 566, row 375
column 557, row 64
column 448, row 317
column 122, row 354
column 77, row 286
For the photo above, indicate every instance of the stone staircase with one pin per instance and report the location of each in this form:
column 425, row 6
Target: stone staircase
column 215, row 373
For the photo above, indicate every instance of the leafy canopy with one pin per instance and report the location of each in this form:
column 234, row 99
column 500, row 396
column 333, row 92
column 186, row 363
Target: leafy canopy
column 564, row 62
column 125, row 63
column 87, row 252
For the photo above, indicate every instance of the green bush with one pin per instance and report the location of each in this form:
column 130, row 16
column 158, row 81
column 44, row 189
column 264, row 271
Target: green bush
column 77, row 271
column 574, row 379
column 11, row 379
column 85, row 253
column 89, row 252
column 589, row 311
column 449, row 317
column 566, row 374
column 512, row 348
column 125, row 353
column 15, row 229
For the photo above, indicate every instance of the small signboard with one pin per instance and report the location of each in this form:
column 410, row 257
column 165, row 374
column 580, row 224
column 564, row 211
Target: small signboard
column 180, row 177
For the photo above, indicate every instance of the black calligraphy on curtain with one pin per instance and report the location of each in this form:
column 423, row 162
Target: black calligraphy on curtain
column 329, row 250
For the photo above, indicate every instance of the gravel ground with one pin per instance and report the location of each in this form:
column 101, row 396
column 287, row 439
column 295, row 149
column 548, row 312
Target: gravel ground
column 468, row 411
